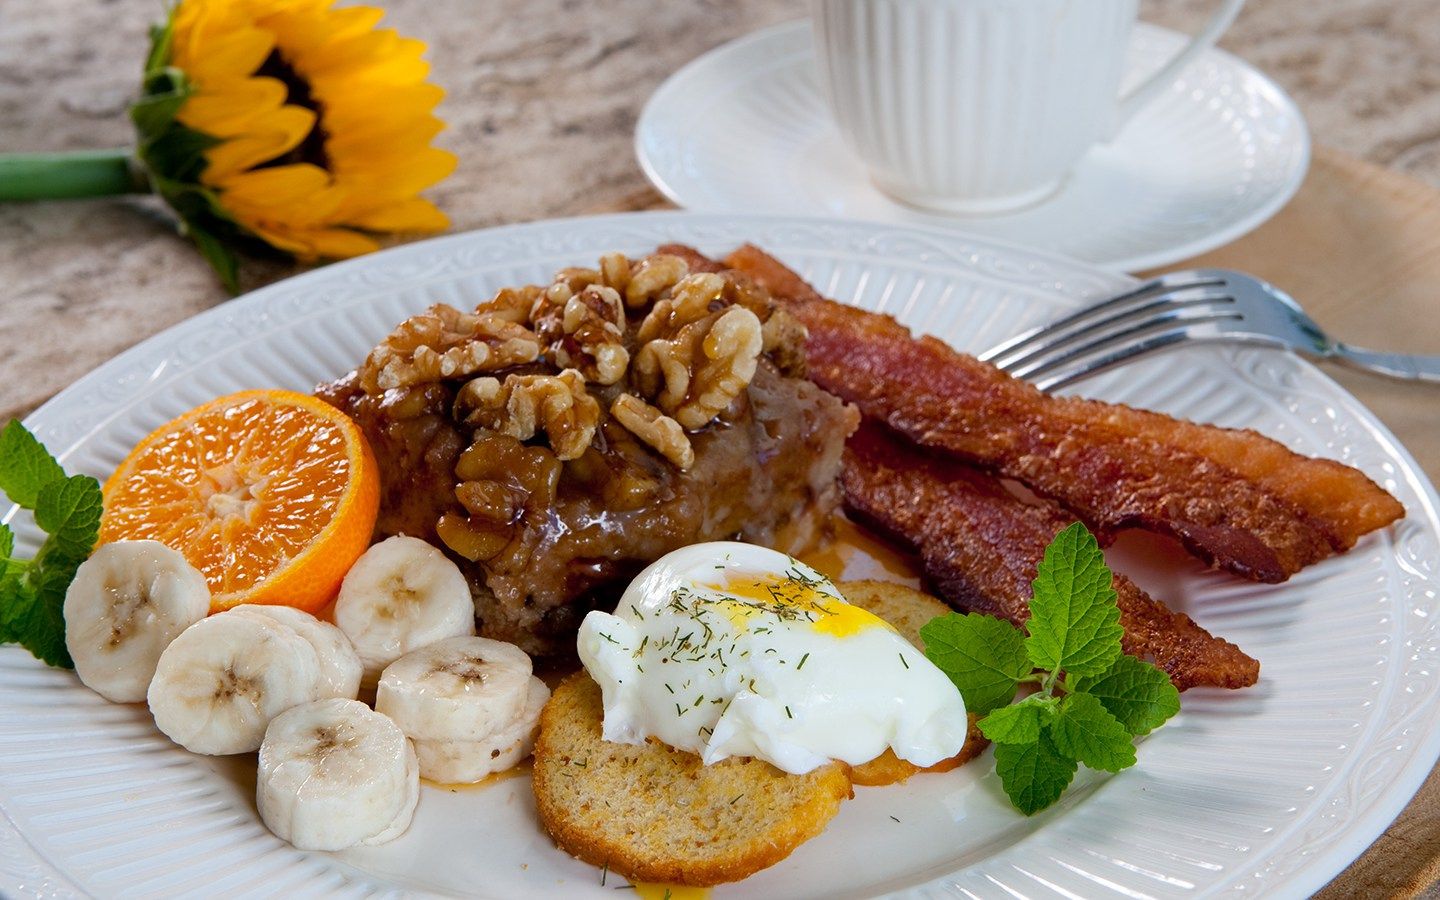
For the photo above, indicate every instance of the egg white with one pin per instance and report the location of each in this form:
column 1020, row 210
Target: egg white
column 729, row 649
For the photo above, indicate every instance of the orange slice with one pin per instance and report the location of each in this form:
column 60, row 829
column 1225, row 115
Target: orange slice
column 272, row 495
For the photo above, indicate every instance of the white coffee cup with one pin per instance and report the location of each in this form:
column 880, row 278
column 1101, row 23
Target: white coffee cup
column 981, row 106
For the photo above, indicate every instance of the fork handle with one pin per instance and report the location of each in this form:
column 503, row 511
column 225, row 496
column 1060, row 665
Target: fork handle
column 1407, row 366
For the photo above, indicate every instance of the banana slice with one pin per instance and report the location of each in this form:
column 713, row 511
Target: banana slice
column 459, row 689
column 218, row 684
column 463, row 762
column 340, row 666
column 401, row 822
column 401, row 595
column 333, row 774
column 128, row 601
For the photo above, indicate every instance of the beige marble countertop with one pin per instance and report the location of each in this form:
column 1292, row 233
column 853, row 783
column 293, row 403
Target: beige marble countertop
column 543, row 98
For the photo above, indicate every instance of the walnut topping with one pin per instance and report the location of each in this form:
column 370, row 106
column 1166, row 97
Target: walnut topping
column 654, row 275
column 685, row 345
column 584, row 330
column 577, row 278
column 696, row 374
column 661, row 432
column 502, row 484
column 524, row 404
column 615, row 271
column 689, row 301
column 594, row 325
column 511, row 304
column 444, row 342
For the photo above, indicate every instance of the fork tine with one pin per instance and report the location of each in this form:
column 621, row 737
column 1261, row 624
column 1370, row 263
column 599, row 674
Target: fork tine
column 1095, row 366
column 1118, row 303
column 1151, row 311
column 1122, row 339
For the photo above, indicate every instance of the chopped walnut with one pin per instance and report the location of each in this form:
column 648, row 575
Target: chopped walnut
column 502, row 483
column 690, row 300
column 577, row 278
column 615, row 271
column 594, row 343
column 585, row 331
column 511, row 304
column 524, row 404
column 653, row 276
column 699, row 372
column 444, row 342
column 742, row 290
column 661, row 432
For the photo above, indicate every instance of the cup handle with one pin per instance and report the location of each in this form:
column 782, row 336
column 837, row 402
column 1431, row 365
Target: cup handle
column 1146, row 90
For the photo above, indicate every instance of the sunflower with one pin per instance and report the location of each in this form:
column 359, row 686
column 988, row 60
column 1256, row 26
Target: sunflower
column 286, row 124
column 321, row 122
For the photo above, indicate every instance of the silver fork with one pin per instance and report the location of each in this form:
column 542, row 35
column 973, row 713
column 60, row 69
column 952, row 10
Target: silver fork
column 1190, row 306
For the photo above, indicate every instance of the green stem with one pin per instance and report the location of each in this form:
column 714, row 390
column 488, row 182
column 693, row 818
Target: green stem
column 63, row 176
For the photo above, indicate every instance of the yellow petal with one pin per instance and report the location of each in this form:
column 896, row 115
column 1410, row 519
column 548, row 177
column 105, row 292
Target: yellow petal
column 341, row 243
column 264, row 9
column 346, row 107
column 409, row 134
column 379, row 56
column 232, row 50
column 279, row 240
column 413, row 174
column 414, row 214
column 342, row 24
column 304, row 30
column 229, row 107
column 275, row 186
column 283, row 131
column 310, row 244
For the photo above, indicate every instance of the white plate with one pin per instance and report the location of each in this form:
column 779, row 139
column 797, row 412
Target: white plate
column 1271, row 789
column 744, row 129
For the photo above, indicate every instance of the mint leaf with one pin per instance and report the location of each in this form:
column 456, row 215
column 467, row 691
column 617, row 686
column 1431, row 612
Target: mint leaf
column 69, row 511
column 1034, row 775
column 1084, row 730
column 1092, row 699
column 33, row 618
column 9, row 579
column 8, row 566
column 32, row 592
column 1074, row 620
column 1020, row 723
column 25, row 465
column 984, row 656
column 1141, row 696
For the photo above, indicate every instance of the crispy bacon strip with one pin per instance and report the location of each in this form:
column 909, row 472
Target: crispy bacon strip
column 1235, row 498
column 980, row 546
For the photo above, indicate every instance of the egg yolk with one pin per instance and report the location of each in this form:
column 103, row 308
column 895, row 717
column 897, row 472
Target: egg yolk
column 789, row 597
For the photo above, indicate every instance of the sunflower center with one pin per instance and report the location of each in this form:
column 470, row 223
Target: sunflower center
column 312, row 148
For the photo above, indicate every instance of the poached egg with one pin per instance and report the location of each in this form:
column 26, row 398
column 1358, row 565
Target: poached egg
column 729, row 649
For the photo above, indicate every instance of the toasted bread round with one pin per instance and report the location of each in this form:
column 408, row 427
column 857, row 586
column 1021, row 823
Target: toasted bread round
column 904, row 607
column 907, row 609
column 652, row 813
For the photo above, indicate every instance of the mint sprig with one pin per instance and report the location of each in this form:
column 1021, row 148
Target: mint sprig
column 67, row 509
column 1092, row 699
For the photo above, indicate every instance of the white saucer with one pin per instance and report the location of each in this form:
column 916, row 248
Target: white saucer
column 744, row 129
